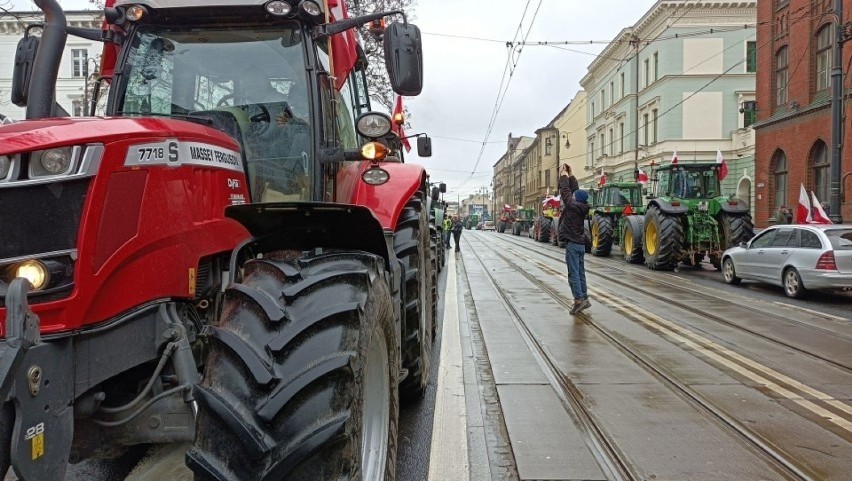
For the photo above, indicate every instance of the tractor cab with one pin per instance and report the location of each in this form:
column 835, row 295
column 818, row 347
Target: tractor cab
column 689, row 181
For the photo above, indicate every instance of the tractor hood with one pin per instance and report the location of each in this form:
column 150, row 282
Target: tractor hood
column 29, row 135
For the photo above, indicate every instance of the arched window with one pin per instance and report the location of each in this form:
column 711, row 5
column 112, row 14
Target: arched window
column 823, row 58
column 779, row 179
column 782, row 76
column 820, row 170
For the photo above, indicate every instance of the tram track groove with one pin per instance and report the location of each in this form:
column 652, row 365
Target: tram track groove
column 702, row 313
column 772, row 454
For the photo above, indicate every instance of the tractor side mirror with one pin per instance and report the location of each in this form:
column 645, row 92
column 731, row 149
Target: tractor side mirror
column 436, row 194
column 404, row 58
column 424, row 147
column 443, row 187
column 23, row 69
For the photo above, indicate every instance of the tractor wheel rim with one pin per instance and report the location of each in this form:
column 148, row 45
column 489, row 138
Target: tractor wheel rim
column 376, row 409
column 628, row 241
column 651, row 238
column 792, row 283
column 729, row 270
column 595, row 235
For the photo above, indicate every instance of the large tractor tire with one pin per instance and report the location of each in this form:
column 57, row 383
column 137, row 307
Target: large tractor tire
column 544, row 230
column 735, row 229
column 411, row 244
column 587, row 232
column 601, row 235
column 631, row 239
column 663, row 239
column 301, row 379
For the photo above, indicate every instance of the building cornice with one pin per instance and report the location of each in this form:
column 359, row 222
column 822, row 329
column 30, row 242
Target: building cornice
column 15, row 23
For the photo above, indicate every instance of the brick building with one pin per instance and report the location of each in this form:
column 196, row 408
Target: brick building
column 795, row 41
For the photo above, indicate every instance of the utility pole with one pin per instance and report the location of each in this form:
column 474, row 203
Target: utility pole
column 837, row 114
column 634, row 42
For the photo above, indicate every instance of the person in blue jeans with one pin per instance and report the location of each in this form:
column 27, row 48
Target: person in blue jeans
column 574, row 212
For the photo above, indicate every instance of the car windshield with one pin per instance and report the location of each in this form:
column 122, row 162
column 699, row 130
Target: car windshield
column 250, row 82
column 841, row 239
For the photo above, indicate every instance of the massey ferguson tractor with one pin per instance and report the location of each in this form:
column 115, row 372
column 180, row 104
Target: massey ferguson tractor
column 227, row 257
column 688, row 218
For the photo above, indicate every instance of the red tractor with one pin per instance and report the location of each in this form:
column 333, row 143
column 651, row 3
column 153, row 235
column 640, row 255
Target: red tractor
column 229, row 256
column 506, row 219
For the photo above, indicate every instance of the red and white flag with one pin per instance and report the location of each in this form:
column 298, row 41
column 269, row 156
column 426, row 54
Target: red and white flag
column 343, row 45
column 643, row 177
column 674, row 157
column 722, row 165
column 803, row 210
column 819, row 215
column 602, row 180
column 397, row 128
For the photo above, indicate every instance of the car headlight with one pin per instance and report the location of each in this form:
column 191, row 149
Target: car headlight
column 52, row 162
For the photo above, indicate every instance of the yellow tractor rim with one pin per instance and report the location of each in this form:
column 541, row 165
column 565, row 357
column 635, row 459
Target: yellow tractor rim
column 651, row 238
column 628, row 241
column 595, row 235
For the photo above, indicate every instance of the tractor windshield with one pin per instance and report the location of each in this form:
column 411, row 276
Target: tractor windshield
column 698, row 182
column 251, row 82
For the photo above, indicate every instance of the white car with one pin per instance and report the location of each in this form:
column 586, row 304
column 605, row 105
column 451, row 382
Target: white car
column 488, row 225
column 795, row 257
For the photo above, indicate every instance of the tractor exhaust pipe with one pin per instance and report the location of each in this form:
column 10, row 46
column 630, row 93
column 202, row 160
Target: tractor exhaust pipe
column 42, row 91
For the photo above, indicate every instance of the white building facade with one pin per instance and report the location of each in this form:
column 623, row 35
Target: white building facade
column 79, row 61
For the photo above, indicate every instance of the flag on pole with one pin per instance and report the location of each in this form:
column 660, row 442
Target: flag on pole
column 343, row 45
column 643, row 177
column 398, row 120
column 819, row 215
column 803, row 210
column 722, row 172
column 674, row 157
column 602, row 180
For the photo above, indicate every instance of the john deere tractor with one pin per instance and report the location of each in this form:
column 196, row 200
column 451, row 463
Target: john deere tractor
column 523, row 221
column 617, row 218
column 688, row 218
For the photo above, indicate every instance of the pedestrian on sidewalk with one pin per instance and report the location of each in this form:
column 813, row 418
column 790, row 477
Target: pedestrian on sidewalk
column 574, row 213
column 457, row 230
column 448, row 225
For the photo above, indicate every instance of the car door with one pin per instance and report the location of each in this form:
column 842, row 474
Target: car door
column 784, row 243
column 752, row 257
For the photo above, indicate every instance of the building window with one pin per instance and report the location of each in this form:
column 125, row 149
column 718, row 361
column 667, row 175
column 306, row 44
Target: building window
column 611, row 142
column 645, row 124
column 591, row 158
column 656, row 66
column 622, row 87
column 548, row 146
column 782, row 78
column 593, row 110
column 779, row 175
column 603, row 145
column 77, row 109
column 751, row 57
column 654, row 127
column 547, row 179
column 647, row 71
column 612, row 92
column 603, row 100
column 621, row 136
column 823, row 58
column 80, row 57
column 749, row 115
column 820, row 166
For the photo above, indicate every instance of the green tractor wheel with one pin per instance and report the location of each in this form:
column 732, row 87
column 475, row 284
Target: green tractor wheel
column 544, row 230
column 601, row 235
column 587, row 231
column 631, row 239
column 735, row 229
column 663, row 239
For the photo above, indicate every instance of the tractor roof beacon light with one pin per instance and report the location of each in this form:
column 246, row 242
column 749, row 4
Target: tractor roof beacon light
column 278, row 8
column 375, row 176
column 34, row 271
column 135, row 13
column 312, row 10
column 373, row 125
column 374, row 151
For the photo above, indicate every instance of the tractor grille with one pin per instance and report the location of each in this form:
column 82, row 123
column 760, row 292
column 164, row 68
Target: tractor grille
column 35, row 219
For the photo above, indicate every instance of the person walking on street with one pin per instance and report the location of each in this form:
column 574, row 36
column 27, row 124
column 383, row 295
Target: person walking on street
column 457, row 230
column 448, row 225
column 574, row 212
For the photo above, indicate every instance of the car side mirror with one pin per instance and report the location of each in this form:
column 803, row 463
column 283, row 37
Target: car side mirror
column 23, row 69
column 744, row 245
column 404, row 58
column 424, row 148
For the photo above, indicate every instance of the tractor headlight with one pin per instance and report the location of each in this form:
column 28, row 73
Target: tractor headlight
column 5, row 167
column 34, row 271
column 135, row 13
column 312, row 10
column 52, row 162
column 278, row 8
column 375, row 176
column 373, row 125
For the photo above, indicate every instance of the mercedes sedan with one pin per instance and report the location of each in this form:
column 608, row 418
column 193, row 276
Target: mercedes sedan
column 795, row 257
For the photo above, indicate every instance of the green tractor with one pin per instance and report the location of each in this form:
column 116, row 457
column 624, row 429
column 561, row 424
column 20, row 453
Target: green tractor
column 471, row 222
column 524, row 220
column 688, row 218
column 617, row 218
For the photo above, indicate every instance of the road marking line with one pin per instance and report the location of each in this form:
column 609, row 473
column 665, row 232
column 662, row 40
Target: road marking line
column 709, row 349
column 448, row 458
column 811, row 311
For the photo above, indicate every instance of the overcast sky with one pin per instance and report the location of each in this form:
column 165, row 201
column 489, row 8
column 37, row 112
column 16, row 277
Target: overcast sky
column 462, row 76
